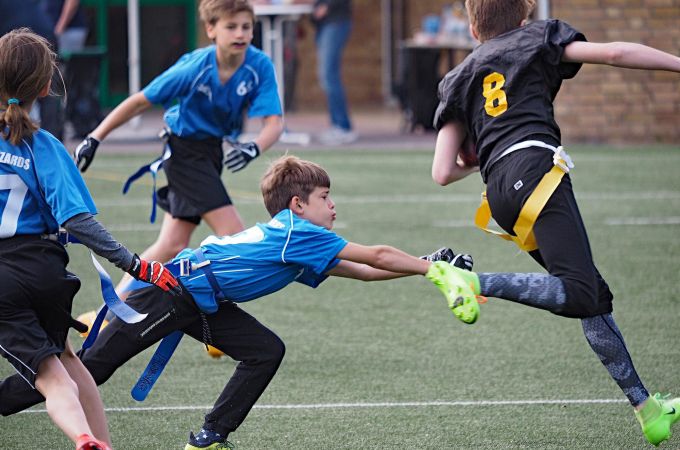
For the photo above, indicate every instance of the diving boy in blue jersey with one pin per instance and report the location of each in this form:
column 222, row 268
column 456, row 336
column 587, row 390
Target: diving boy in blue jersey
column 41, row 190
column 207, row 93
column 297, row 244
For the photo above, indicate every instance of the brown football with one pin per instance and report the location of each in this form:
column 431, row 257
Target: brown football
column 468, row 153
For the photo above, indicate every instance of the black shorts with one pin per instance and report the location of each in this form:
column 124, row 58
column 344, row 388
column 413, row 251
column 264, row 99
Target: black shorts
column 563, row 246
column 194, row 184
column 36, row 294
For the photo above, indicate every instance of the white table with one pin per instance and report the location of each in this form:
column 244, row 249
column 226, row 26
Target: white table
column 272, row 18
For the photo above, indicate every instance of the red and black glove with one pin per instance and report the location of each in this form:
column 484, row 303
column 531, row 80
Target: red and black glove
column 155, row 273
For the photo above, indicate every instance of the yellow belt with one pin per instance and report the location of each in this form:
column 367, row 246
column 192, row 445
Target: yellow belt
column 524, row 235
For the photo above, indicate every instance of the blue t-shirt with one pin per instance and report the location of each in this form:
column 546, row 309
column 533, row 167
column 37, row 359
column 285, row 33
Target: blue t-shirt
column 266, row 258
column 40, row 187
column 207, row 108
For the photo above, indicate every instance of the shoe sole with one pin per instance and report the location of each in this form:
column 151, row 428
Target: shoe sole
column 465, row 306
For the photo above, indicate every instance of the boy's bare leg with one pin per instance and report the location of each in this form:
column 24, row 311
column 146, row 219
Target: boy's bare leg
column 90, row 400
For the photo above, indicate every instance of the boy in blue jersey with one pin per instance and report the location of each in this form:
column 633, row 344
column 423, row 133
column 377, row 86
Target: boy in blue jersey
column 207, row 93
column 500, row 98
column 41, row 190
column 297, row 244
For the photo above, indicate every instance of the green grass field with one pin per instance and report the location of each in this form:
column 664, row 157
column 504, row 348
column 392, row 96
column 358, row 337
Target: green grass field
column 386, row 365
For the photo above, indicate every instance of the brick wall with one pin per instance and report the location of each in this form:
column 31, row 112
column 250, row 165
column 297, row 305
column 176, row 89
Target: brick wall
column 602, row 104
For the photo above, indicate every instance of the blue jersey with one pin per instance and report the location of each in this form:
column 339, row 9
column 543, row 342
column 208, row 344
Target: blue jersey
column 266, row 258
column 199, row 106
column 40, row 187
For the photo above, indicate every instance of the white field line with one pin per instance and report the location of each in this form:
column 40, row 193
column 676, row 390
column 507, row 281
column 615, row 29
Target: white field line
column 673, row 220
column 362, row 405
column 419, row 198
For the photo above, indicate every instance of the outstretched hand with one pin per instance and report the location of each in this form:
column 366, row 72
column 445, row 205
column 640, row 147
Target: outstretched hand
column 84, row 153
column 155, row 273
column 461, row 260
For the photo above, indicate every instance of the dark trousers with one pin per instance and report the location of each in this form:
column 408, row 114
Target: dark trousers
column 563, row 246
column 235, row 332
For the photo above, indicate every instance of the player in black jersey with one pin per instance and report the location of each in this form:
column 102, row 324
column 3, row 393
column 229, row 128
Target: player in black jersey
column 498, row 101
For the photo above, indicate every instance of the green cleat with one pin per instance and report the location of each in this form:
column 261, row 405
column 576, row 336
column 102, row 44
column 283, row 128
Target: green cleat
column 460, row 288
column 657, row 417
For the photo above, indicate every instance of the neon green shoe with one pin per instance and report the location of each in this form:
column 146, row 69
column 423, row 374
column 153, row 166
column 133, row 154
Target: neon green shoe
column 460, row 288
column 657, row 417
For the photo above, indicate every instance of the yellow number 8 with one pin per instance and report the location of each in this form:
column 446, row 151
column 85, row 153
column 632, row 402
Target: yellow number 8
column 496, row 101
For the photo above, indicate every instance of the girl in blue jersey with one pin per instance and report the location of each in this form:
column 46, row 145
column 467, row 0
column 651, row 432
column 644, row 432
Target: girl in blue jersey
column 207, row 93
column 296, row 245
column 41, row 190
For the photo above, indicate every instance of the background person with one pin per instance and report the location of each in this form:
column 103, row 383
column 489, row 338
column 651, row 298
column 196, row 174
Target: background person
column 70, row 24
column 207, row 94
column 333, row 20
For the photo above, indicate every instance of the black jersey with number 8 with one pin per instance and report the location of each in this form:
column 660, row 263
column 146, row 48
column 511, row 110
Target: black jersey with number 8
column 503, row 91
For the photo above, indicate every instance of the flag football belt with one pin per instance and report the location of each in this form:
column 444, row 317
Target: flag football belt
column 111, row 299
column 166, row 348
column 153, row 167
column 523, row 228
column 184, row 267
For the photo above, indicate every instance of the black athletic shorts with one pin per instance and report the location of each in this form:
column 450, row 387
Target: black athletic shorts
column 36, row 294
column 194, row 184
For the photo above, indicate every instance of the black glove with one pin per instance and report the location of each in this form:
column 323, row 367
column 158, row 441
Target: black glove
column 240, row 154
column 84, row 153
column 462, row 260
column 155, row 273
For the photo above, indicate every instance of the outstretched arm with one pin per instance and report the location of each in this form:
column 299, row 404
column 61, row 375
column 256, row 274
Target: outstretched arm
column 621, row 54
column 446, row 165
column 377, row 262
column 129, row 108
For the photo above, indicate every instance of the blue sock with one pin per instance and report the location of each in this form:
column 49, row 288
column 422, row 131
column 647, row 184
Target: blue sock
column 534, row 289
column 606, row 341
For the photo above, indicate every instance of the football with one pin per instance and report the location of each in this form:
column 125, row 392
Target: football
column 468, row 153
column 214, row 352
column 88, row 319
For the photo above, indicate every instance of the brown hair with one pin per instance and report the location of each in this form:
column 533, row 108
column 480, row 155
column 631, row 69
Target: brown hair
column 287, row 177
column 212, row 10
column 494, row 17
column 26, row 66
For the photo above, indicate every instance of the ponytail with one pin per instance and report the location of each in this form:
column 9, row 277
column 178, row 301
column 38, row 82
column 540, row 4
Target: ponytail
column 16, row 123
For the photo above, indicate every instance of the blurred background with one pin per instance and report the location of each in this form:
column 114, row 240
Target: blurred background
column 397, row 53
